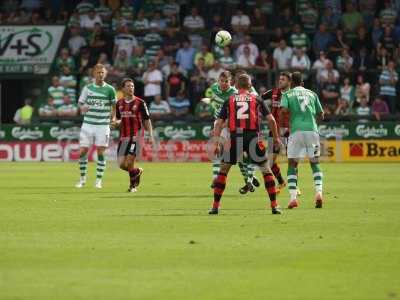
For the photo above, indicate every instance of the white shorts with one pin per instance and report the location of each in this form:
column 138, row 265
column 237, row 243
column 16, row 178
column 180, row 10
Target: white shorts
column 303, row 144
column 98, row 135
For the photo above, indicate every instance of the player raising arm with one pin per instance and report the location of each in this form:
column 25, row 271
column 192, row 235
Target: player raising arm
column 97, row 104
column 274, row 95
column 243, row 115
column 132, row 114
column 304, row 108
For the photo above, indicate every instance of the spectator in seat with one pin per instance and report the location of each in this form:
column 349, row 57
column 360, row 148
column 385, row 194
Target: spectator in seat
column 122, row 64
column 99, row 41
column 199, row 80
column 258, row 21
column 362, row 88
column 248, row 43
column 300, row 62
column 329, row 73
column 185, row 56
column 339, row 43
column 180, row 106
column 227, row 61
column 382, row 58
column 159, row 20
column 376, row 32
column 214, row 72
column 344, row 61
column 171, row 42
column 309, row 18
column 67, row 109
column 139, row 62
column 388, row 82
column 124, row 40
column 240, row 22
column 319, row 65
column 330, row 93
column 275, row 38
column 362, row 60
column 246, row 60
column 363, row 39
column 141, row 24
column 299, row 39
column 379, row 108
column 89, row 20
column 330, row 19
column 76, row 41
column 69, row 82
column 159, row 109
column 65, row 60
column 175, row 82
column 387, row 39
column 23, row 115
column 264, row 61
column 351, row 20
column 346, row 99
column 56, row 91
column 193, row 24
column 152, row 79
column 152, row 41
column 48, row 109
column 282, row 56
column 363, row 110
column 206, row 54
column 322, row 40
column 388, row 15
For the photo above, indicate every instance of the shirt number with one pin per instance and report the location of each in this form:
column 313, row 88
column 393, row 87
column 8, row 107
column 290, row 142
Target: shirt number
column 243, row 110
column 304, row 102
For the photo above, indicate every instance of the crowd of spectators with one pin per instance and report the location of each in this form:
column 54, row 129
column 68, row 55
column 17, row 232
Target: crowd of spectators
column 348, row 51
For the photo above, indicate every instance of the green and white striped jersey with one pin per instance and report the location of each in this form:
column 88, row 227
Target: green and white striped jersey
column 100, row 100
column 219, row 97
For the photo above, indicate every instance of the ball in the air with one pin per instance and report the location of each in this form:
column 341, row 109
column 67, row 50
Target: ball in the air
column 223, row 38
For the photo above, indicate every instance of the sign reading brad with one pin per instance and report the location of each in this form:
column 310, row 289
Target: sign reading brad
column 28, row 49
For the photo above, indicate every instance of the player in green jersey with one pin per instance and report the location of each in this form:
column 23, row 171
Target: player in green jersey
column 220, row 93
column 304, row 108
column 97, row 104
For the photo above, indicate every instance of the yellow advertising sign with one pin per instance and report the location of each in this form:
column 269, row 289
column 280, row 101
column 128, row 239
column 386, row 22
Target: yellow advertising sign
column 361, row 150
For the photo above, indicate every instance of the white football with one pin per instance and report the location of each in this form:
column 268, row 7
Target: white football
column 223, row 38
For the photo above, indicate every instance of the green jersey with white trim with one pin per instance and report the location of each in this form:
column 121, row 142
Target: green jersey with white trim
column 303, row 106
column 219, row 97
column 100, row 100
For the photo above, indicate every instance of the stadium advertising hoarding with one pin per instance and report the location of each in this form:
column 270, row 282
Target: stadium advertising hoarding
column 188, row 142
column 28, row 49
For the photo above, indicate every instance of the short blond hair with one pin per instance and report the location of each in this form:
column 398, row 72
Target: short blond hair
column 99, row 66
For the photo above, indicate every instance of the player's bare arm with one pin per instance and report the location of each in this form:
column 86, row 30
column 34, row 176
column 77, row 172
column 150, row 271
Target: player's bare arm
column 149, row 128
column 274, row 129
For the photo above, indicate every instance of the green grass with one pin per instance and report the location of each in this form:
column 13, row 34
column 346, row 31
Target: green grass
column 57, row 242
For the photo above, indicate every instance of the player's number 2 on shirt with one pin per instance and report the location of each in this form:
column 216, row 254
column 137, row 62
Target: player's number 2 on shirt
column 304, row 102
column 242, row 112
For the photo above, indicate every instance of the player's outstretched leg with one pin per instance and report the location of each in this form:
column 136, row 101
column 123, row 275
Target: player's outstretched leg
column 83, row 161
column 317, row 175
column 248, row 186
column 270, row 188
column 101, row 166
column 219, row 187
column 292, row 183
column 276, row 170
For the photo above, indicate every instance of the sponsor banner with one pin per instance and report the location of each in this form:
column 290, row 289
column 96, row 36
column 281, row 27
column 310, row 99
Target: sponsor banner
column 193, row 151
column 28, row 49
column 362, row 150
column 198, row 131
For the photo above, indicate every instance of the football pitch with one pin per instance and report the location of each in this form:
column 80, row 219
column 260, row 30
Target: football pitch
column 58, row 242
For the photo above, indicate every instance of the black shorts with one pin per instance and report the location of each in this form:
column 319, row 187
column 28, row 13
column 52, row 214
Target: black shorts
column 245, row 145
column 276, row 149
column 127, row 147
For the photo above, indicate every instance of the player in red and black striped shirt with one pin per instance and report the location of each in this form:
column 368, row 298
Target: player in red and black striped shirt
column 243, row 114
column 282, row 121
column 131, row 114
